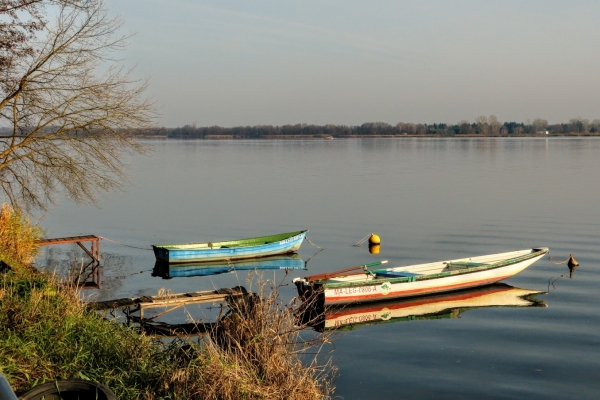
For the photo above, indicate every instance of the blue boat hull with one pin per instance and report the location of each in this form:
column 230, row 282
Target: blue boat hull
column 288, row 245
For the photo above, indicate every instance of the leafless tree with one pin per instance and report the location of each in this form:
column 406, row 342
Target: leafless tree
column 574, row 124
column 68, row 110
column 494, row 125
column 482, row 125
column 579, row 125
column 407, row 128
column 539, row 125
column 586, row 124
column 19, row 21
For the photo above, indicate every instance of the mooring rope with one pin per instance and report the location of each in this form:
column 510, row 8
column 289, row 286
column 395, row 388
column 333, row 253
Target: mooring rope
column 552, row 280
column 123, row 244
column 551, row 259
column 570, row 261
column 308, row 240
column 361, row 241
column 309, row 258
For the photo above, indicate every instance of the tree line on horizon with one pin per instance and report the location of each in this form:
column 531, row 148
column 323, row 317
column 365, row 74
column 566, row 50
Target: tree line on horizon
column 484, row 126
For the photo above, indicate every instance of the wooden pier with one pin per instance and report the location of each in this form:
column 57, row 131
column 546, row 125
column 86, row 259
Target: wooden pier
column 93, row 253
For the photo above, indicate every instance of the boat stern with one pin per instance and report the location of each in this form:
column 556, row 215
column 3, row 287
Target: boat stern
column 308, row 291
column 301, row 286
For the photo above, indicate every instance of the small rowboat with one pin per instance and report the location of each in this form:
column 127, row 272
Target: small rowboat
column 346, row 286
column 437, row 306
column 230, row 250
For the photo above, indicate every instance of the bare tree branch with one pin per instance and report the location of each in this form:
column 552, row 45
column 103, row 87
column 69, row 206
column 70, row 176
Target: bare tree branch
column 70, row 124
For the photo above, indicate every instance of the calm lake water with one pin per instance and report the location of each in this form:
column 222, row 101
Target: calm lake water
column 428, row 200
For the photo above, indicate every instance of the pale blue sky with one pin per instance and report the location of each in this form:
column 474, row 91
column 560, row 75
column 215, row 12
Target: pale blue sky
column 232, row 63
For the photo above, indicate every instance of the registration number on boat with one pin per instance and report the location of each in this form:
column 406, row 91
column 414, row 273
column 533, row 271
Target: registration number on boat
column 356, row 319
column 354, row 290
column 289, row 240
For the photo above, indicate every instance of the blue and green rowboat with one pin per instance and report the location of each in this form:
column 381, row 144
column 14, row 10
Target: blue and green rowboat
column 261, row 246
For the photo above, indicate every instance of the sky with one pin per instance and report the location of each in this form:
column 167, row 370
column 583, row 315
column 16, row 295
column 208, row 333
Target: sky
column 347, row 62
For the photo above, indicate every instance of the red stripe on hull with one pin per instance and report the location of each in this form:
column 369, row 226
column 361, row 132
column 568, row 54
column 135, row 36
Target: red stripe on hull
column 415, row 292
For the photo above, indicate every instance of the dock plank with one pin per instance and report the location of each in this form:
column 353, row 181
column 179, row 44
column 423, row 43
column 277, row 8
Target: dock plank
column 158, row 301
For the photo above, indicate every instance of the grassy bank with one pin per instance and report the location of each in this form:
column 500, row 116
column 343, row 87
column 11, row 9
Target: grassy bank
column 46, row 333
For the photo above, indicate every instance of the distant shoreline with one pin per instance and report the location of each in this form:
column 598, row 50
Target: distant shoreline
column 400, row 136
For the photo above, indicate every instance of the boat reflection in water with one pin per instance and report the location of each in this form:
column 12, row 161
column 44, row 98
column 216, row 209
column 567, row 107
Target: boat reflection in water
column 447, row 305
column 284, row 261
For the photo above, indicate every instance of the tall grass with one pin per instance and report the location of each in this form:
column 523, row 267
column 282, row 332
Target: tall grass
column 18, row 238
column 46, row 333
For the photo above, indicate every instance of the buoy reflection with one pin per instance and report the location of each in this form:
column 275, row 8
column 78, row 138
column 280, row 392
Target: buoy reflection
column 374, row 248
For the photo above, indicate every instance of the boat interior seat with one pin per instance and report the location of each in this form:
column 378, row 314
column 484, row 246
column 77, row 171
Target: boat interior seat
column 396, row 274
column 456, row 265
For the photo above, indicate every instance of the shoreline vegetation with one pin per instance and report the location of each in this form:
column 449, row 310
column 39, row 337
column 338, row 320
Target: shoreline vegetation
column 255, row 351
column 402, row 136
column 482, row 127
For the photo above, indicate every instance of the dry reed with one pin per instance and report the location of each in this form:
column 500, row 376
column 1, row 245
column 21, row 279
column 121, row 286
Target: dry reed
column 257, row 352
column 18, row 238
column 254, row 351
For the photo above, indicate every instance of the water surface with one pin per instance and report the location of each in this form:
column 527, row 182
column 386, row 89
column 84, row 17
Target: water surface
column 428, row 200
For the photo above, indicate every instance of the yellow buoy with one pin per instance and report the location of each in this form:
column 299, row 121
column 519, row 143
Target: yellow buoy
column 374, row 239
column 374, row 248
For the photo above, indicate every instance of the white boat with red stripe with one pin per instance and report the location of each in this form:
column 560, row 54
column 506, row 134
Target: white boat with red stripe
column 364, row 283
